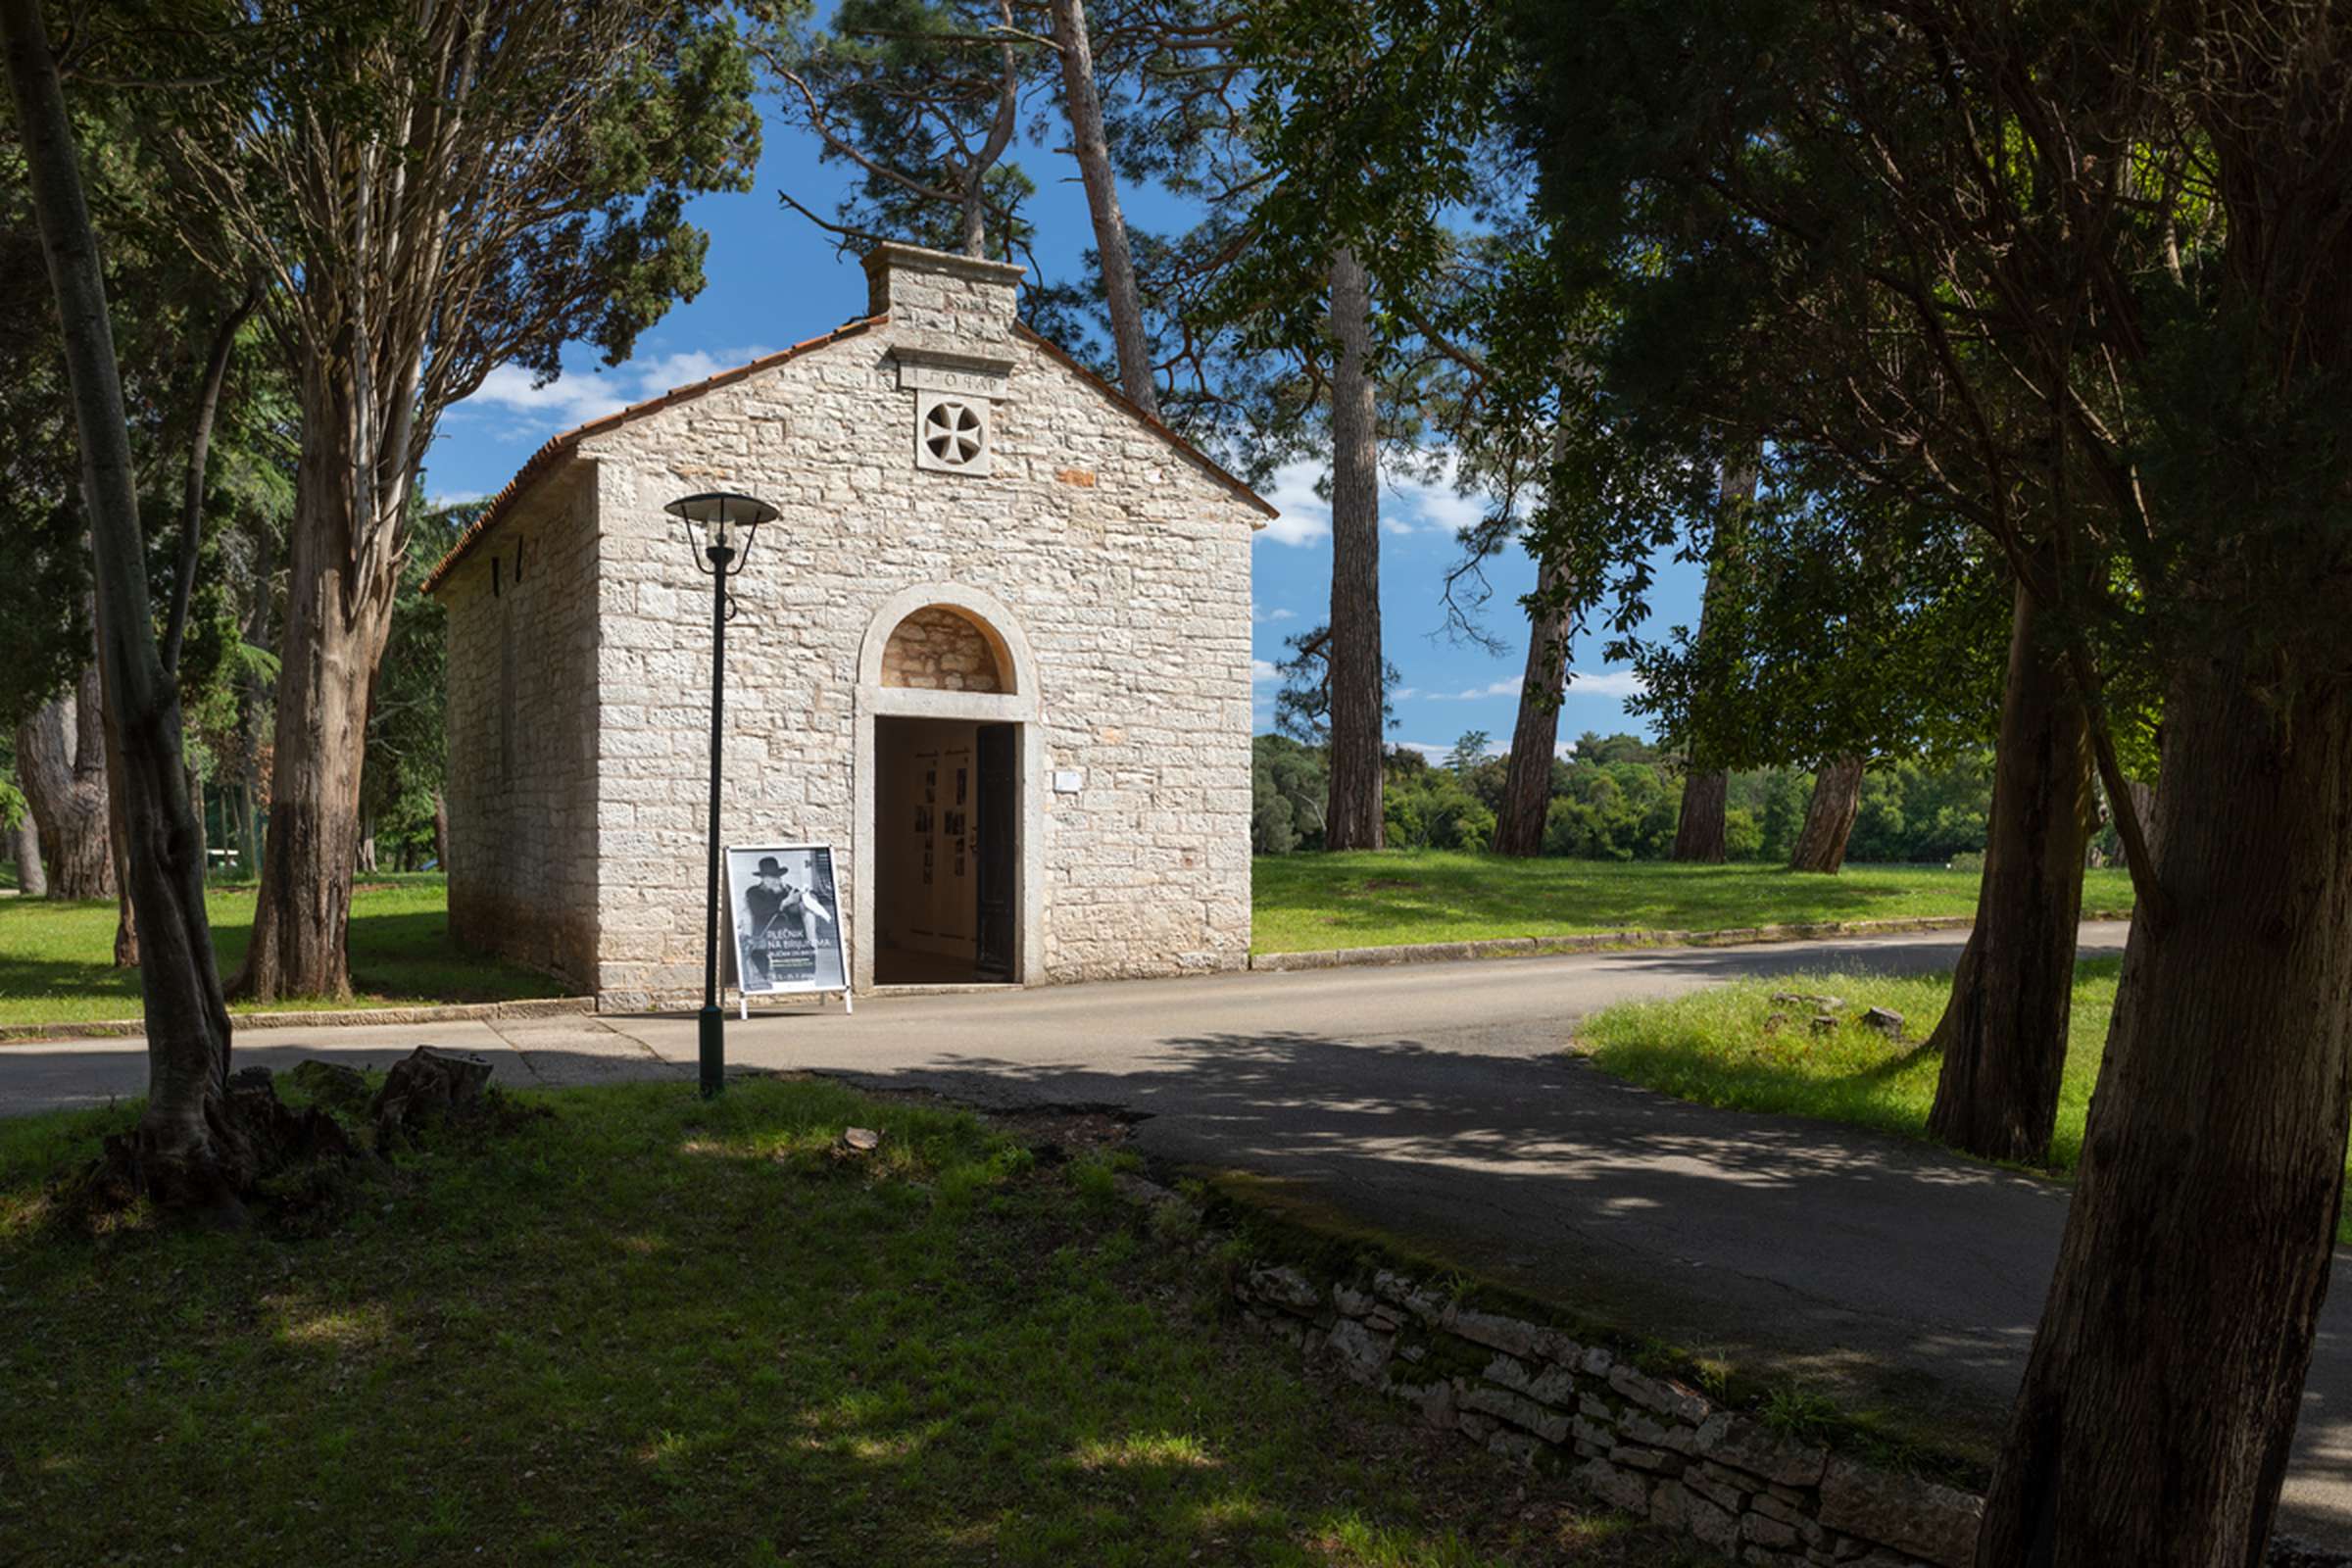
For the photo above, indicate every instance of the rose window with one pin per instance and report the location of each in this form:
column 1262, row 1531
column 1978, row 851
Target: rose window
column 953, row 433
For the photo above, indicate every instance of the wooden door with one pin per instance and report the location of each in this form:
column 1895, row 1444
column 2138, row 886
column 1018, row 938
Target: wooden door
column 997, row 821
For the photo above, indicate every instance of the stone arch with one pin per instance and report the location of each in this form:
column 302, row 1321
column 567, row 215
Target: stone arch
column 1016, row 704
column 952, row 617
column 938, row 649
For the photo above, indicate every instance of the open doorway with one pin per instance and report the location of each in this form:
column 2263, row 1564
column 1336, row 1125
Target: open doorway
column 947, row 827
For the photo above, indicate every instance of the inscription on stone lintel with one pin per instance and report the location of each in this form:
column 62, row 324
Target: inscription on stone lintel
column 946, row 378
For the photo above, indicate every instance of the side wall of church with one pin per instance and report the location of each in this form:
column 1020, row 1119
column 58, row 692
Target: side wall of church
column 521, row 727
column 1125, row 565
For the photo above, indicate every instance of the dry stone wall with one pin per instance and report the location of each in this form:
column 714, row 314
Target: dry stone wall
column 1646, row 1445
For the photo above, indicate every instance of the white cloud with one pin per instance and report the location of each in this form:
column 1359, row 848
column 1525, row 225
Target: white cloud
column 1438, row 502
column 566, row 400
column 455, row 498
column 1471, row 694
column 1305, row 516
column 1581, row 683
column 1260, row 671
column 1263, row 617
column 576, row 399
column 1401, row 693
column 1409, row 504
column 1438, row 754
column 1605, row 683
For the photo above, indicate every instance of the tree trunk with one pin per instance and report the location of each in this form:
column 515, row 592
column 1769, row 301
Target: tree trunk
column 1527, row 785
column 61, row 759
column 1830, row 816
column 341, row 573
column 127, row 919
column 2143, row 804
column 1698, row 831
column 251, row 815
column 33, row 880
column 1353, row 821
column 2166, row 1372
column 1119, row 293
column 186, row 1148
column 2003, row 1034
column 440, row 833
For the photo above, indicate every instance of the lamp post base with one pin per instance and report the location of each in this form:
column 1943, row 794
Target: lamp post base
column 714, row 1051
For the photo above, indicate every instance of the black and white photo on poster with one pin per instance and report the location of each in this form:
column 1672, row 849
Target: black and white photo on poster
column 786, row 917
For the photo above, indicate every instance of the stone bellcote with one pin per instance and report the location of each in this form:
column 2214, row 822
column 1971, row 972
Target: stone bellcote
column 941, row 296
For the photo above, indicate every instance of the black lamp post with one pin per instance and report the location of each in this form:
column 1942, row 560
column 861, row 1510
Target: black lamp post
column 726, row 524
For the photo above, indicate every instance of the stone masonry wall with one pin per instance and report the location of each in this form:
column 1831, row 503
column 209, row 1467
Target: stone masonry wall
column 1646, row 1445
column 522, row 725
column 938, row 650
column 1126, row 566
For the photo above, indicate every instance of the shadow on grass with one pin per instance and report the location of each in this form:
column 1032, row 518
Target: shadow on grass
column 658, row 1331
column 1901, row 1278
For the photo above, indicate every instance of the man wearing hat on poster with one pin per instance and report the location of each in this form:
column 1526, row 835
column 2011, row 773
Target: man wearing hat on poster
column 777, row 908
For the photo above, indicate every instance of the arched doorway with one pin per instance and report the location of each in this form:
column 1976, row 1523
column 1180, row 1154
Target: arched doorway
column 946, row 841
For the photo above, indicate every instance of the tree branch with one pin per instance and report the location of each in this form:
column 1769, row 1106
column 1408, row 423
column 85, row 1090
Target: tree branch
column 191, row 506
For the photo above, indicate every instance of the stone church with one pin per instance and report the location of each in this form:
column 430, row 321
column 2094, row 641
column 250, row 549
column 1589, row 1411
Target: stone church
column 985, row 558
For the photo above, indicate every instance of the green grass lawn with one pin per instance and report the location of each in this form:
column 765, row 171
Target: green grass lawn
column 1712, row 1046
column 1384, row 898
column 652, row 1331
column 57, row 958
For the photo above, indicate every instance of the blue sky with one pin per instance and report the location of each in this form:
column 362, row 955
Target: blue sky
column 774, row 279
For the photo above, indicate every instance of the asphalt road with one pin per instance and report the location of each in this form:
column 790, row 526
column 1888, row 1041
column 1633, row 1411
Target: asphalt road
column 1435, row 1102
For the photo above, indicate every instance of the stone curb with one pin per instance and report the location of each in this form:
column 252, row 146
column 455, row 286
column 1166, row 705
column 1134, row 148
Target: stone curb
column 452, row 1012
column 1617, row 941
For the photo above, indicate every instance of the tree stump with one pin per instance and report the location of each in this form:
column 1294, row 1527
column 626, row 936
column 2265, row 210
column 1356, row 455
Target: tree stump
column 429, row 1086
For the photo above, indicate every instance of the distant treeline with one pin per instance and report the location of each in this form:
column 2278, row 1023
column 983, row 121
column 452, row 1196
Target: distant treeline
column 1616, row 798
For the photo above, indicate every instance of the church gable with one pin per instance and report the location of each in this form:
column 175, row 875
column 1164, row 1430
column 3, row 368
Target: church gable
column 942, row 337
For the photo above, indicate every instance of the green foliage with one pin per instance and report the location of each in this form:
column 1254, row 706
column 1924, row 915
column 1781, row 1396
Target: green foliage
column 1613, row 810
column 168, row 308
column 408, row 749
column 565, row 150
column 1289, row 784
column 1835, row 624
column 1432, row 808
column 920, row 98
column 1617, row 799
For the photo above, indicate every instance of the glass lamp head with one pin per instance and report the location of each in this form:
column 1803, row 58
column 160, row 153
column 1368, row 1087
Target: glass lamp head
column 723, row 520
